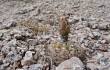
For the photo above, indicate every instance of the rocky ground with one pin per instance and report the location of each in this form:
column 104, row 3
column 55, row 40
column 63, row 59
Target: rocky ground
column 30, row 40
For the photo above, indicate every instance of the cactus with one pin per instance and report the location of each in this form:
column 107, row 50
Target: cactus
column 64, row 28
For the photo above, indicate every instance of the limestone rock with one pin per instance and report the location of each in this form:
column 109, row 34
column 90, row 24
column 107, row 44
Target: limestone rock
column 73, row 63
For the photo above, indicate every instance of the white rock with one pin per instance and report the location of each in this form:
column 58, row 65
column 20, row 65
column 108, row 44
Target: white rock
column 96, row 34
column 36, row 67
column 27, row 58
column 9, row 23
column 107, row 38
column 103, row 41
column 104, row 26
column 71, row 64
column 28, row 55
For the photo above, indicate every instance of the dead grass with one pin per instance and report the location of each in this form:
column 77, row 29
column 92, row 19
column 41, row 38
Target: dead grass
column 34, row 25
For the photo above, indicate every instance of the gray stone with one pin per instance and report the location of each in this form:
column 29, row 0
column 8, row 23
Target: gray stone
column 107, row 38
column 96, row 34
column 73, row 63
column 108, row 48
column 19, row 36
column 9, row 23
column 91, row 35
column 25, row 67
column 31, row 48
column 28, row 55
column 27, row 58
column 103, row 41
column 45, row 36
column 32, row 42
column 36, row 67
column 104, row 26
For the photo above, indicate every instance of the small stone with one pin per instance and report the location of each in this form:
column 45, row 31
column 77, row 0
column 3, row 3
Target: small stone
column 108, row 48
column 104, row 26
column 36, row 67
column 107, row 38
column 96, row 34
column 5, row 49
column 9, row 23
column 28, row 55
column 31, row 48
column 94, row 26
column 45, row 36
column 25, row 67
column 103, row 41
column 28, row 58
column 32, row 42
column 19, row 37
column 4, row 61
column 91, row 35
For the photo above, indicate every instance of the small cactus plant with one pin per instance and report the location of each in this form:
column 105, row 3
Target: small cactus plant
column 64, row 28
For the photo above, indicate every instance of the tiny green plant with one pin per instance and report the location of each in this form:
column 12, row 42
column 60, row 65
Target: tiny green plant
column 61, row 45
column 57, row 45
column 76, row 51
column 67, row 47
